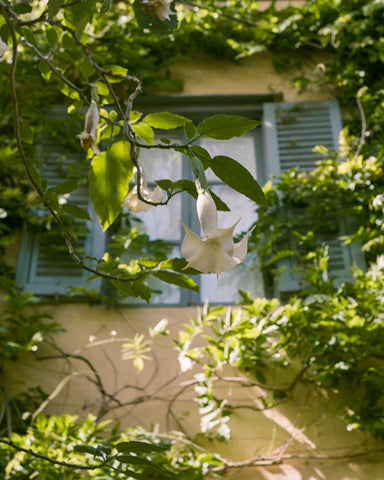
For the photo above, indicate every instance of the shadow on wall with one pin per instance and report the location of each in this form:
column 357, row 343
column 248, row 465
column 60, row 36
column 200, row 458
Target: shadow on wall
column 113, row 368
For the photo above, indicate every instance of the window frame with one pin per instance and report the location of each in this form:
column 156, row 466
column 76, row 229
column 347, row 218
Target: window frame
column 257, row 107
column 196, row 108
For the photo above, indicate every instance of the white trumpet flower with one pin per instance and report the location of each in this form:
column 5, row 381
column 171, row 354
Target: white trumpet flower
column 216, row 252
column 132, row 201
column 88, row 137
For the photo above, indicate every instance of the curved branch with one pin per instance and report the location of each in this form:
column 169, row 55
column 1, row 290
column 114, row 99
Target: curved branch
column 52, row 460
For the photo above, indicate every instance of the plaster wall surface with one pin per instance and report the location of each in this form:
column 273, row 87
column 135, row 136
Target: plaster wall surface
column 306, row 431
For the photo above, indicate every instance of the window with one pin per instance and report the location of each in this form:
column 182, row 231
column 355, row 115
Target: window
column 291, row 130
column 44, row 265
column 285, row 140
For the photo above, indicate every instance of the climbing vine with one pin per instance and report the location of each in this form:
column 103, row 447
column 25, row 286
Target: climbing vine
column 88, row 51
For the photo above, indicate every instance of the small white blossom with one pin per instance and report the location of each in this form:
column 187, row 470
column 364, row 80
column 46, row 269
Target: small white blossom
column 160, row 328
column 216, row 252
column 185, row 362
column 88, row 136
column 132, row 201
column 378, row 201
column 3, row 47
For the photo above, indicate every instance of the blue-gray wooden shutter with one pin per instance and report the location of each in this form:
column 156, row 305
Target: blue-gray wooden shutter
column 44, row 273
column 291, row 131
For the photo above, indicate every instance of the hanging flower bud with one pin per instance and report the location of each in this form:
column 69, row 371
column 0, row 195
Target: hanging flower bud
column 88, row 137
column 159, row 9
column 132, row 201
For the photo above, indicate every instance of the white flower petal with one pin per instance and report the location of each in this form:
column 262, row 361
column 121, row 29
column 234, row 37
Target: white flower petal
column 191, row 243
column 207, row 212
column 3, row 47
column 240, row 250
column 162, row 10
column 92, row 119
column 156, row 196
column 206, row 256
column 88, row 137
column 134, row 204
column 216, row 252
column 224, row 236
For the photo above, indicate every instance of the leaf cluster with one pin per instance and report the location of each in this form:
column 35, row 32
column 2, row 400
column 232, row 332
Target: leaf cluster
column 100, row 452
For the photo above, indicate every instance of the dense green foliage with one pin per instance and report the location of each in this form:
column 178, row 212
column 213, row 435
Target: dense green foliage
column 334, row 331
column 102, row 452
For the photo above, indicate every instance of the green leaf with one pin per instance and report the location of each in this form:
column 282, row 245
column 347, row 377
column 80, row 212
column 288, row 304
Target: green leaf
column 53, row 7
column 220, row 205
column 105, row 6
column 45, row 71
column 139, row 447
column 238, row 177
column 135, row 288
column 30, row 36
column 148, row 262
column 67, row 186
column 144, row 131
column 202, row 154
column 102, row 88
column 199, row 172
column 51, row 36
column 85, row 449
column 134, row 117
column 75, row 211
column 22, row 7
column 116, row 69
column 26, row 132
column 132, row 474
column 225, row 127
column 185, row 185
column 189, row 129
column 85, row 68
column 165, row 184
column 78, row 15
column 109, row 176
column 189, row 187
column 165, row 120
column 177, row 279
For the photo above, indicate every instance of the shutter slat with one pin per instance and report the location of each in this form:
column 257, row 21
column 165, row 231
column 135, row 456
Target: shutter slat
column 39, row 269
column 291, row 131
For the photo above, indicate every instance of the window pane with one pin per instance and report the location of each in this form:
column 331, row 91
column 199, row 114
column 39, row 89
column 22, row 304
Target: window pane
column 163, row 221
column 246, row 276
column 159, row 164
column 241, row 208
column 241, row 149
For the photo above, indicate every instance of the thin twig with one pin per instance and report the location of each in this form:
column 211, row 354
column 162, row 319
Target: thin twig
column 52, row 460
column 54, row 70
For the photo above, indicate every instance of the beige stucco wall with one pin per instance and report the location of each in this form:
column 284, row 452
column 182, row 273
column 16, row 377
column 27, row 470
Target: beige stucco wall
column 252, row 75
column 308, row 425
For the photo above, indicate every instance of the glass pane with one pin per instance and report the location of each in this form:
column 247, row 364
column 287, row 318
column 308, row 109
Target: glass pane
column 241, row 149
column 246, row 276
column 163, row 221
column 159, row 164
column 241, row 208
